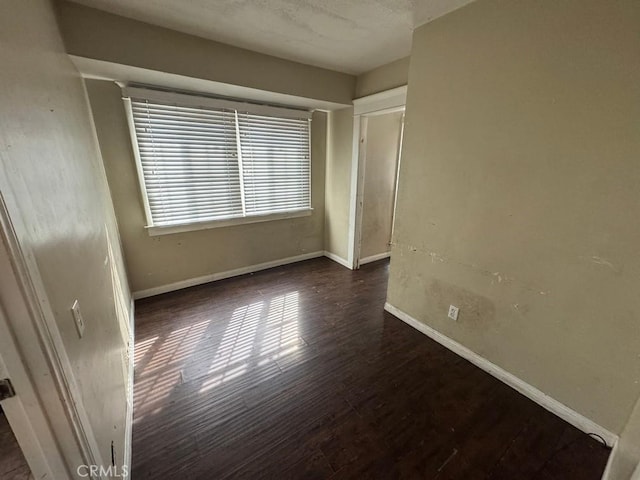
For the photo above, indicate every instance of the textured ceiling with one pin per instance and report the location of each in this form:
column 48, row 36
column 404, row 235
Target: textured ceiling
column 351, row 36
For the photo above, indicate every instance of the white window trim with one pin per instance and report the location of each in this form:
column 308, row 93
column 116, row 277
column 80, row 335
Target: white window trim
column 190, row 227
column 199, row 101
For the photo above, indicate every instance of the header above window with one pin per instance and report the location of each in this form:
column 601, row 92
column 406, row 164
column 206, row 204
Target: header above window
column 202, row 160
column 197, row 101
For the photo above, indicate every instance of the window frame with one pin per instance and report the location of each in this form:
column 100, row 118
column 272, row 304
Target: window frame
column 198, row 100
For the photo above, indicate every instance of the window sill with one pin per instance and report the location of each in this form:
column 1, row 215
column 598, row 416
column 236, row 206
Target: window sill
column 166, row 230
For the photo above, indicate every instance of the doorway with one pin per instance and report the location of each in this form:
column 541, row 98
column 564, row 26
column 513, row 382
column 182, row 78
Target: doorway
column 28, row 444
column 382, row 155
column 378, row 127
column 41, row 405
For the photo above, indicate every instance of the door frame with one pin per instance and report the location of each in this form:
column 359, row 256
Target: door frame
column 388, row 101
column 28, row 424
column 47, row 415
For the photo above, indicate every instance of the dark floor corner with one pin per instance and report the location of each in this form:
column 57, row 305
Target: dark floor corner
column 297, row 372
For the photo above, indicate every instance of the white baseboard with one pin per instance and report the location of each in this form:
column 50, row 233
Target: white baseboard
column 374, row 258
column 567, row 414
column 337, row 259
column 150, row 292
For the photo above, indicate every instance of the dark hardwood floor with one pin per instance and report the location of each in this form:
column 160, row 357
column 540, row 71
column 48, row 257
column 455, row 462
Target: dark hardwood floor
column 297, row 372
column 13, row 465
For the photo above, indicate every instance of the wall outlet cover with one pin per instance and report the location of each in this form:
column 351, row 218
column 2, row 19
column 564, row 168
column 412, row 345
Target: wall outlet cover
column 453, row 312
column 77, row 317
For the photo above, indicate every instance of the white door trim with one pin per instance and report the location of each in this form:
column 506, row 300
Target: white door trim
column 26, row 418
column 357, row 190
column 397, row 180
column 393, row 98
column 389, row 101
column 32, row 324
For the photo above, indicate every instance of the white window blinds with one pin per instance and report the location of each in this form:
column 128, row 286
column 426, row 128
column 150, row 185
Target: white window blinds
column 203, row 160
column 275, row 163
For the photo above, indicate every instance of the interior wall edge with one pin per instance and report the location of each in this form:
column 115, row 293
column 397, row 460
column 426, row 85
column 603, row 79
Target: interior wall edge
column 607, row 475
column 128, row 440
column 384, row 77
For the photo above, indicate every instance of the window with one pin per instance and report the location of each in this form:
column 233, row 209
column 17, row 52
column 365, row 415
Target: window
column 203, row 160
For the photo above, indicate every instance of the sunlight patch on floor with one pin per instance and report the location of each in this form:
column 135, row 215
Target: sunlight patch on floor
column 208, row 353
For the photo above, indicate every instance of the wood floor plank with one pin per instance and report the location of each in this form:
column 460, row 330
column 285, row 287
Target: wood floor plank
column 297, row 372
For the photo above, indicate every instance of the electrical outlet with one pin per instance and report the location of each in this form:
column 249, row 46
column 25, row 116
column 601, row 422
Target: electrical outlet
column 77, row 317
column 453, row 312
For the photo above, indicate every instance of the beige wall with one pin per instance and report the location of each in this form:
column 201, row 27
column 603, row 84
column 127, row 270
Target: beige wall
column 391, row 75
column 518, row 196
column 53, row 180
column 338, row 182
column 381, row 160
column 166, row 259
column 103, row 36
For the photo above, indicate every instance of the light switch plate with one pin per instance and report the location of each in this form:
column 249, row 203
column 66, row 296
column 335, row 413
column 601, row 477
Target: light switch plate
column 453, row 312
column 77, row 317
